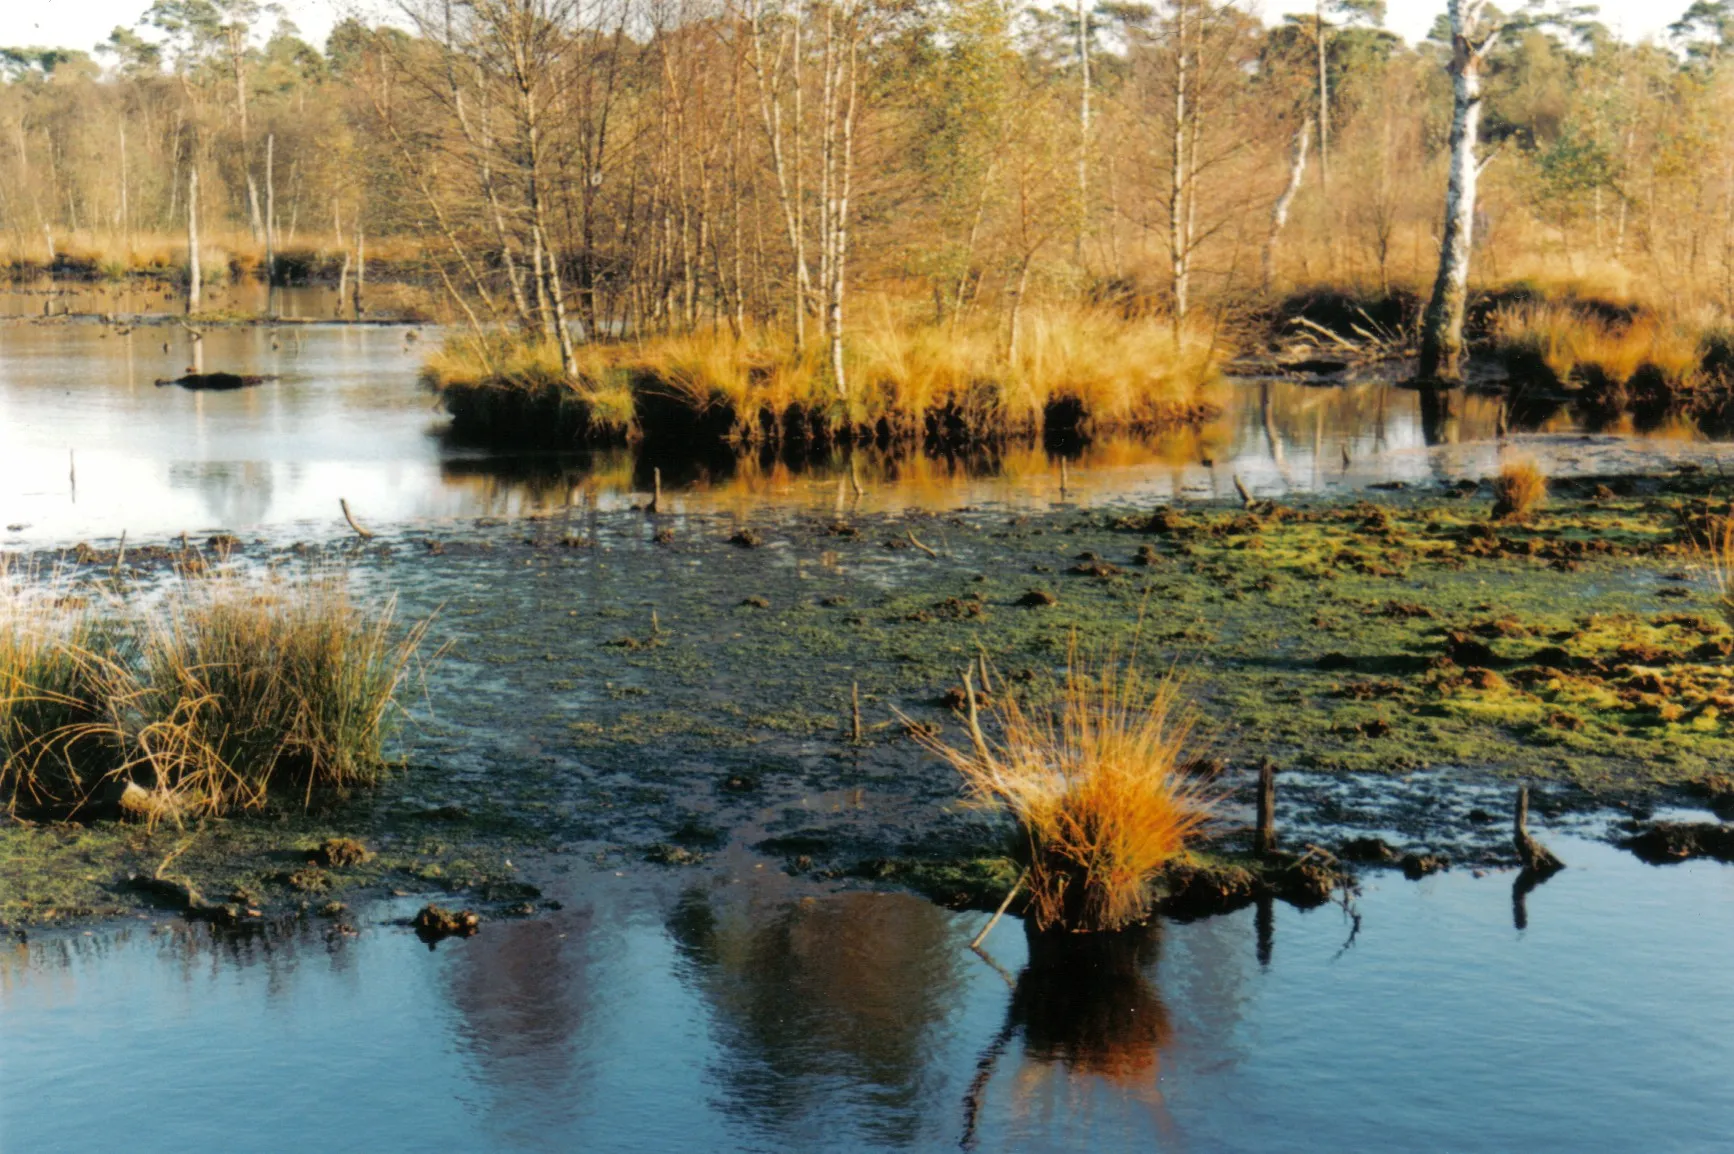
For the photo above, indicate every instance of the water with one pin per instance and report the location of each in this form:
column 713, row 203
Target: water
column 141, row 296
column 89, row 446
column 742, row 1012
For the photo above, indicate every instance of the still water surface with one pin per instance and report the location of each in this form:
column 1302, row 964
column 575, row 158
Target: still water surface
column 742, row 1013
column 89, row 446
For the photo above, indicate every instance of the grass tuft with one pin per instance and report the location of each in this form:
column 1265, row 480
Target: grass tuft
column 249, row 691
column 1097, row 786
column 1519, row 490
column 226, row 696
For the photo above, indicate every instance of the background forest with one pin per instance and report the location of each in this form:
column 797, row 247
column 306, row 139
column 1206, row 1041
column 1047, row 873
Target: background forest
column 639, row 166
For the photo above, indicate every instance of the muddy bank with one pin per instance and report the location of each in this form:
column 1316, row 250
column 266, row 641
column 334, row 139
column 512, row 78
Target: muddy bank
column 674, row 692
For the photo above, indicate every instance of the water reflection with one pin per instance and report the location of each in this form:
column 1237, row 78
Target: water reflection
column 721, row 1019
column 135, row 296
column 1086, row 1004
column 347, row 418
column 814, row 997
column 523, row 992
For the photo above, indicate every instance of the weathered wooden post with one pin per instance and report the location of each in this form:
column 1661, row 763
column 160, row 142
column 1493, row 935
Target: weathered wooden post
column 1264, row 841
column 1536, row 858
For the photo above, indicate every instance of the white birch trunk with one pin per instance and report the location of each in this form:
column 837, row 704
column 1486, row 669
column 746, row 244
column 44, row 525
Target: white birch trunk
column 194, row 276
column 1177, row 254
column 1442, row 324
column 1083, row 129
column 1279, row 211
column 1324, row 99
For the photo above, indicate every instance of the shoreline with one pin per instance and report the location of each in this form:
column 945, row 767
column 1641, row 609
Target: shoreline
column 597, row 731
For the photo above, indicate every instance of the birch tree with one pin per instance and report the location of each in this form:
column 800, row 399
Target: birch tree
column 1472, row 34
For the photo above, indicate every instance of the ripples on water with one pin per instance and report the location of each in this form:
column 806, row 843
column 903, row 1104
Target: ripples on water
column 347, row 419
column 748, row 1014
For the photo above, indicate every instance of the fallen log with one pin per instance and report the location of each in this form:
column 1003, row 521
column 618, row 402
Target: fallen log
column 216, row 382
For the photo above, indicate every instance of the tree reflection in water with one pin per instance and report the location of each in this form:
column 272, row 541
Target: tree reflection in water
column 820, row 995
column 523, row 990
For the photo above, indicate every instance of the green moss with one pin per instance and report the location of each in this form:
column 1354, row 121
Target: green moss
column 1317, row 637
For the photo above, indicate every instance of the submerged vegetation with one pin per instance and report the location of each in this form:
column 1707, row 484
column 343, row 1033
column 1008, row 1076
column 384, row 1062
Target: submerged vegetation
column 1099, row 788
column 226, row 695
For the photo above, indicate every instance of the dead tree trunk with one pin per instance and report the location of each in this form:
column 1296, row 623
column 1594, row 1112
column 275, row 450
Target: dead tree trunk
column 1264, row 834
column 1536, row 858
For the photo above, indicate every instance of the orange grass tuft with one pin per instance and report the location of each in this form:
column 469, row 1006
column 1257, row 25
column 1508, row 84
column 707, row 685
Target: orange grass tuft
column 1097, row 785
column 1519, row 490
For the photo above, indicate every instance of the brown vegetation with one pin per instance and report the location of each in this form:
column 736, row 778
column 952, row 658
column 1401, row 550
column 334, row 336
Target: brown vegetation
column 1518, row 490
column 1099, row 788
column 225, row 697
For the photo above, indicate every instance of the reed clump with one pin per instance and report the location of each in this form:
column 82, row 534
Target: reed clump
column 223, row 698
column 58, row 733
column 1073, row 368
column 1627, row 351
column 1099, row 788
column 1518, row 491
column 506, row 388
column 88, row 254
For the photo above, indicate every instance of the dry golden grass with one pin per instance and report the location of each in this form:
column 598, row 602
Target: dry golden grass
column 248, row 691
column 1574, row 343
column 1097, row 785
column 58, row 735
column 901, row 372
column 227, row 695
column 1519, row 490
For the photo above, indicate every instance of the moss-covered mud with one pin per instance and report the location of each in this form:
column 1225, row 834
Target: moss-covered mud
column 661, row 693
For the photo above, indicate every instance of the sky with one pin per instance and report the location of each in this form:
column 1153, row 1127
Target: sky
column 84, row 23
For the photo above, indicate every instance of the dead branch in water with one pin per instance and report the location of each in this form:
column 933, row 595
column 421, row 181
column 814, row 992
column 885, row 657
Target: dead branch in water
column 343, row 503
column 999, row 913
